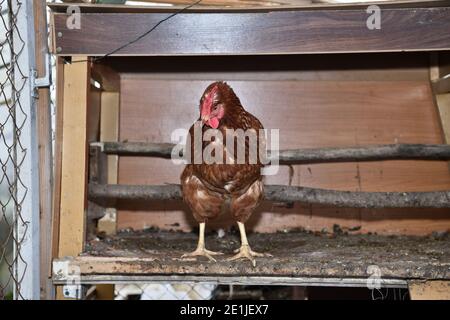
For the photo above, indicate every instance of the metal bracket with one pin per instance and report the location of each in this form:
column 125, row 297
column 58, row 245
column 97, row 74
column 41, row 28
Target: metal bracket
column 74, row 291
column 46, row 80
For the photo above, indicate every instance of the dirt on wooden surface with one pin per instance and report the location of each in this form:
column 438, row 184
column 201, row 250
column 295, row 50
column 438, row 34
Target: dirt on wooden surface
column 296, row 253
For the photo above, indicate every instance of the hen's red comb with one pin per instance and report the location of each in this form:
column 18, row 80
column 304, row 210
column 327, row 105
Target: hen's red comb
column 210, row 96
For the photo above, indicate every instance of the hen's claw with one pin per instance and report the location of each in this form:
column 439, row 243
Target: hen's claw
column 245, row 252
column 202, row 252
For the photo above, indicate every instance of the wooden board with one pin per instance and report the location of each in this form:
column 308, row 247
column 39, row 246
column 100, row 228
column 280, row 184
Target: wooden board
column 443, row 104
column 295, row 255
column 58, row 156
column 109, row 131
column 261, row 6
column 284, row 32
column 45, row 151
column 93, row 114
column 109, row 128
column 429, row 290
column 310, row 114
column 74, row 159
column 71, row 166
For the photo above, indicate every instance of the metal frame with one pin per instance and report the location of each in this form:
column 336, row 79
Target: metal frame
column 26, row 267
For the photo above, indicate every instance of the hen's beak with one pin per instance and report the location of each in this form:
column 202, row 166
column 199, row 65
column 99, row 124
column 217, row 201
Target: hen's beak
column 205, row 118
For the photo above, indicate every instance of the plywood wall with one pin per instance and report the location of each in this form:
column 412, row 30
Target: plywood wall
column 350, row 107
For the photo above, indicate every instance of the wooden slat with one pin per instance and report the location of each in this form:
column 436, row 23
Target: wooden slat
column 429, row 290
column 444, row 64
column 256, row 6
column 109, row 130
column 104, row 292
column 440, row 84
column 57, row 169
column 45, row 150
column 237, row 3
column 72, row 202
column 314, row 31
column 443, row 103
column 74, row 157
column 93, row 114
column 217, row 3
column 108, row 78
column 98, row 170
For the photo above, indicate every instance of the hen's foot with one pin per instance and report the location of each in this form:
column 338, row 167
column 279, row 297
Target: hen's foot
column 245, row 252
column 202, row 252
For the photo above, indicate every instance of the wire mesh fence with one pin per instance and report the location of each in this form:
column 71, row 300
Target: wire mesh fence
column 13, row 151
column 209, row 291
column 166, row 291
column 197, row 291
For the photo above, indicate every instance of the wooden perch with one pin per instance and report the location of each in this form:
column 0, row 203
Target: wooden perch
column 302, row 156
column 437, row 199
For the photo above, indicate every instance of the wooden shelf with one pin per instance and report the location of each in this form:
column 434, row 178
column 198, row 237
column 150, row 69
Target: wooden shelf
column 284, row 30
column 255, row 7
column 299, row 258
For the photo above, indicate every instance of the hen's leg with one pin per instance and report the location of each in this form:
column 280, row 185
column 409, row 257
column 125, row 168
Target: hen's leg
column 201, row 251
column 245, row 252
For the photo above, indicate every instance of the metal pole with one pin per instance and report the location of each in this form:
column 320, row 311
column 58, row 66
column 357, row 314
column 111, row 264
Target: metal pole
column 26, row 211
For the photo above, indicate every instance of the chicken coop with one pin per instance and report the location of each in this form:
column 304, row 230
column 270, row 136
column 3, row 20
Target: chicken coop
column 360, row 96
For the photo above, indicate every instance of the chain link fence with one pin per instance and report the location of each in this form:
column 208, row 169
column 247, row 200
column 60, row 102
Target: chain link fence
column 208, row 291
column 14, row 148
column 166, row 291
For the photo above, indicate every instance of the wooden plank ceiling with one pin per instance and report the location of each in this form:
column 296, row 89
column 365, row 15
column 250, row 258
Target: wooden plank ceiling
column 243, row 32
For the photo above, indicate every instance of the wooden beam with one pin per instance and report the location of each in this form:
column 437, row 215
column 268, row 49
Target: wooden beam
column 228, row 3
column 429, row 290
column 440, row 85
column 57, row 167
column 45, row 150
column 301, row 156
column 443, row 104
column 74, row 159
column 438, row 199
column 104, row 168
column 108, row 78
column 109, row 131
column 109, row 128
column 104, row 292
column 221, row 33
column 120, row 269
column 73, row 195
column 98, row 173
column 256, row 6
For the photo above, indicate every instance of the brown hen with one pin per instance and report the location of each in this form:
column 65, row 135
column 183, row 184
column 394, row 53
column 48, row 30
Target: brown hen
column 231, row 181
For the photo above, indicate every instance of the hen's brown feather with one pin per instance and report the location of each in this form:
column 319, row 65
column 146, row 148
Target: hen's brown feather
column 210, row 189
